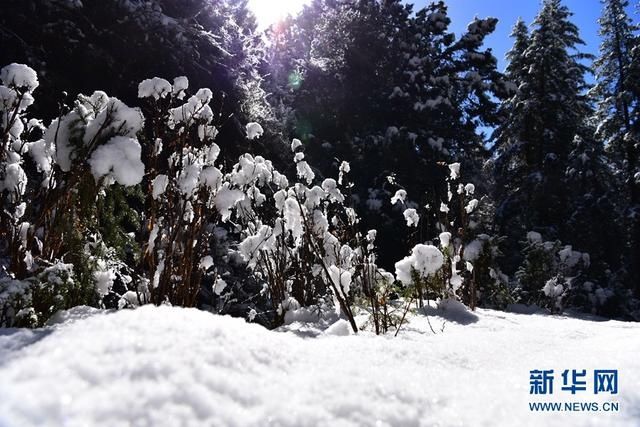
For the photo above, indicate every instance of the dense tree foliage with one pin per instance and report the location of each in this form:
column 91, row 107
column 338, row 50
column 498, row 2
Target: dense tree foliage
column 83, row 46
column 616, row 94
column 544, row 117
column 395, row 92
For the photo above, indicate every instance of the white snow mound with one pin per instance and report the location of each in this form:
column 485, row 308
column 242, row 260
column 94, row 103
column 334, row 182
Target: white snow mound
column 183, row 367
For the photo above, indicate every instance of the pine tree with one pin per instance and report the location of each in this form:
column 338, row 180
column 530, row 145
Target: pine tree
column 593, row 200
column 517, row 67
column 509, row 166
column 616, row 94
column 544, row 116
column 632, row 151
column 611, row 68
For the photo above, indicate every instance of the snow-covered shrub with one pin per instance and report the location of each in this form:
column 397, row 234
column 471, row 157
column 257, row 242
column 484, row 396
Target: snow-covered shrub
column 552, row 274
column 422, row 272
column 15, row 303
column 57, row 288
column 186, row 195
column 377, row 289
column 538, row 267
column 493, row 288
column 16, row 95
column 33, row 301
column 450, row 272
column 299, row 238
column 52, row 179
column 292, row 236
column 380, row 299
column 112, row 278
column 283, row 229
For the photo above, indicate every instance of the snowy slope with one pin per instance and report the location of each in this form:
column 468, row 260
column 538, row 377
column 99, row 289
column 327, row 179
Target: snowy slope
column 179, row 367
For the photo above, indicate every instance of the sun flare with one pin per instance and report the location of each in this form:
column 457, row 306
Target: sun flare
column 269, row 12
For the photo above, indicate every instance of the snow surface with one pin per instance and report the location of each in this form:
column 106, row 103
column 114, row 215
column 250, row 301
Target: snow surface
column 183, row 367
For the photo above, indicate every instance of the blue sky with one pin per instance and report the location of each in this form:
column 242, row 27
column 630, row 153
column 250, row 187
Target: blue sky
column 586, row 14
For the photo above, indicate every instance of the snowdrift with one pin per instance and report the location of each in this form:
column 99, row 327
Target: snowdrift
column 183, row 367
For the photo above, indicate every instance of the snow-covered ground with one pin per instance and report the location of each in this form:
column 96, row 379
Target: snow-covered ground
column 179, row 367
